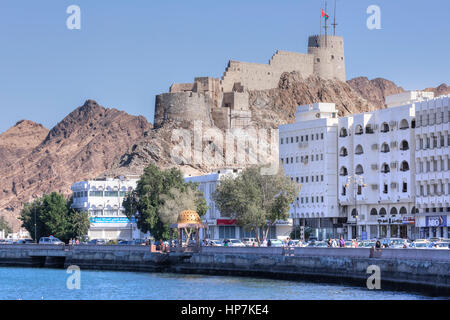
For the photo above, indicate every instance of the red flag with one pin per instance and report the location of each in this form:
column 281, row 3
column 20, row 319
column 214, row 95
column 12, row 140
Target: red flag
column 324, row 14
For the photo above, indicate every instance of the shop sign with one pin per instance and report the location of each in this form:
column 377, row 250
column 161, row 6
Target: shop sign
column 409, row 220
column 226, row 222
column 111, row 220
column 436, row 221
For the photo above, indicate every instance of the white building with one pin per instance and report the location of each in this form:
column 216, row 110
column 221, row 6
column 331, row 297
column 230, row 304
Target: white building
column 308, row 151
column 102, row 199
column 433, row 167
column 220, row 227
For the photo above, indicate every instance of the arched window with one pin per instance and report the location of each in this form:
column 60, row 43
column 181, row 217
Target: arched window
column 382, row 212
column 359, row 169
column 385, row 127
column 354, row 213
column 369, row 129
column 403, row 210
column 359, row 129
column 414, row 210
column 404, row 166
column 404, row 145
column 343, row 133
column 373, row 212
column 343, row 172
column 359, row 149
column 385, row 168
column 393, row 211
column 343, row 152
column 385, row 148
column 404, row 124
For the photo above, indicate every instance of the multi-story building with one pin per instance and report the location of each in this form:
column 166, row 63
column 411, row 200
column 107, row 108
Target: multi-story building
column 432, row 137
column 102, row 199
column 308, row 152
column 220, row 227
column 377, row 170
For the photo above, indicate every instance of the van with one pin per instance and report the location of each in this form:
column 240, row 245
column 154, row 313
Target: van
column 50, row 240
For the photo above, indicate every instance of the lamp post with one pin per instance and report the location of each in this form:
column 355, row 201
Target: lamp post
column 35, row 233
column 356, row 181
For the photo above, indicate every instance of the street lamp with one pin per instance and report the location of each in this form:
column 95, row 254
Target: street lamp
column 357, row 181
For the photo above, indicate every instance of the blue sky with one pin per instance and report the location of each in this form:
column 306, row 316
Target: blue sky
column 128, row 51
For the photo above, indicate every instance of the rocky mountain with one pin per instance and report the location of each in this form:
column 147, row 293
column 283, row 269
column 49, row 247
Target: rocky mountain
column 375, row 90
column 82, row 146
column 19, row 141
column 441, row 90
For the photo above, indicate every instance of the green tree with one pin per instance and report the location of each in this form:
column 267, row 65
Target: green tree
column 177, row 201
column 4, row 226
column 145, row 202
column 256, row 201
column 52, row 215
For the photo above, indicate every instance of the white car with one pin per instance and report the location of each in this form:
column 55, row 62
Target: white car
column 234, row 243
column 441, row 245
column 420, row 245
column 250, row 241
column 50, row 240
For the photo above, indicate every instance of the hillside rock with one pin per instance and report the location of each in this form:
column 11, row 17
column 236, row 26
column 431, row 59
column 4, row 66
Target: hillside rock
column 20, row 140
column 82, row 146
column 441, row 90
column 375, row 90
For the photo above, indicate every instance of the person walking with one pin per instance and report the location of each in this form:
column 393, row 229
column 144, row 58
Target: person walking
column 329, row 243
column 334, row 243
column 342, row 242
column 269, row 243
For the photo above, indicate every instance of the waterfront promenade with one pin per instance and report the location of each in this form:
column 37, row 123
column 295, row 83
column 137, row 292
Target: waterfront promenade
column 425, row 270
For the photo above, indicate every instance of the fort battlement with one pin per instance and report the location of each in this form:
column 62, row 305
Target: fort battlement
column 205, row 97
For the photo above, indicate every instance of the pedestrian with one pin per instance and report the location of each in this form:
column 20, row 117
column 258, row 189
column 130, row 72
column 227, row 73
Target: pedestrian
column 378, row 244
column 269, row 243
column 342, row 242
column 77, row 242
column 329, row 243
column 334, row 243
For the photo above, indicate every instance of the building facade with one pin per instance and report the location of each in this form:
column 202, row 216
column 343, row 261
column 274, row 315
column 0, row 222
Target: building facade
column 220, row 227
column 376, row 173
column 432, row 138
column 102, row 199
column 308, row 152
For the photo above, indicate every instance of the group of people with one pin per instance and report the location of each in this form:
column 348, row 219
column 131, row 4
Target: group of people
column 333, row 243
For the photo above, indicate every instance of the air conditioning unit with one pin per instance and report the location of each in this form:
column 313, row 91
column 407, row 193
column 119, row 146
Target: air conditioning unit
column 394, row 185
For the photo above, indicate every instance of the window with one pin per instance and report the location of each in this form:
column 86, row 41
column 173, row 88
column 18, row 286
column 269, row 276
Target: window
column 385, row 168
column 359, row 149
column 306, row 138
column 312, row 178
column 96, row 193
column 296, row 139
column 282, row 140
column 369, row 129
column 321, row 178
column 111, row 193
column 403, row 210
column 359, row 130
column 404, row 124
column 404, row 145
column 317, row 157
column 359, row 169
column 373, row 212
column 301, row 179
column 404, row 166
column 359, row 192
column 321, row 136
column 343, row 172
column 321, row 156
column 343, row 133
column 382, row 212
column 344, row 190
column 405, row 187
column 385, row 188
column 343, row 152
column 321, row 199
column 292, row 139
column 312, row 137
column 384, row 127
column 385, row 148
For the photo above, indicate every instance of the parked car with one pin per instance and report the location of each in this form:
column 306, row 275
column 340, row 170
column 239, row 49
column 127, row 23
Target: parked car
column 440, row 245
column 368, row 243
column 233, row 243
column 423, row 244
column 50, row 240
column 250, row 241
column 98, row 241
column 24, row 241
column 215, row 243
column 276, row 243
column 319, row 244
column 393, row 242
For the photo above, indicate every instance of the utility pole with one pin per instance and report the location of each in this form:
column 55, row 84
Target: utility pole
column 334, row 19
column 35, row 233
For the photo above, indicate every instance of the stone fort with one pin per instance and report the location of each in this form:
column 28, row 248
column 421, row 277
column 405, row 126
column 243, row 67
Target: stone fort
column 225, row 102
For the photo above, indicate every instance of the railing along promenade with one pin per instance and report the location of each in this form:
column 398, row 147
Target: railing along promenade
column 408, row 253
